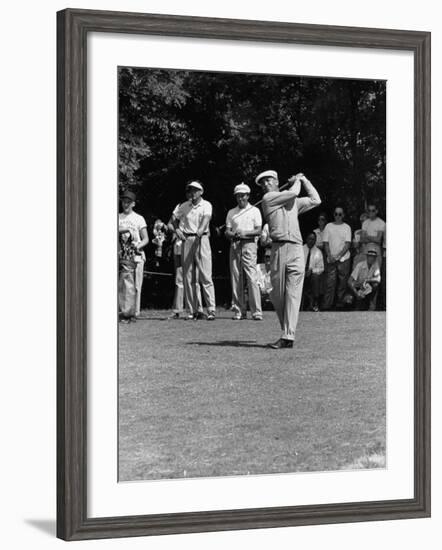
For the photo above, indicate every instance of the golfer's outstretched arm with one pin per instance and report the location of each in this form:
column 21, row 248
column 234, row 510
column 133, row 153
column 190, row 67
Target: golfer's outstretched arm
column 311, row 200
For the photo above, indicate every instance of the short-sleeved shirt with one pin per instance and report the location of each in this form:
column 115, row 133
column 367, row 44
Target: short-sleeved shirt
column 244, row 219
column 362, row 272
column 135, row 223
column 190, row 215
column 316, row 262
column 372, row 227
column 336, row 235
column 319, row 237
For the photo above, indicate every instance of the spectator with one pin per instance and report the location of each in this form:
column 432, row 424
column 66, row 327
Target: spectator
column 383, row 285
column 364, row 281
column 159, row 231
column 373, row 230
column 319, row 231
column 128, row 219
column 359, row 255
column 243, row 227
column 194, row 217
column 178, row 299
column 127, row 292
column 337, row 241
column 314, row 268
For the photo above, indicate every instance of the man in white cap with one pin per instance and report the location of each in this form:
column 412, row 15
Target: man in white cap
column 281, row 210
column 178, row 299
column 193, row 229
column 243, row 227
column 364, row 281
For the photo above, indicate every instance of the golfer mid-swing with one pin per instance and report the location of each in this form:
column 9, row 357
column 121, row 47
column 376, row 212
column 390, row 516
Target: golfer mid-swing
column 281, row 210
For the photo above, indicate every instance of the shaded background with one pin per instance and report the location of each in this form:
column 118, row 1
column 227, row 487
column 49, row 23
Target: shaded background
column 225, row 128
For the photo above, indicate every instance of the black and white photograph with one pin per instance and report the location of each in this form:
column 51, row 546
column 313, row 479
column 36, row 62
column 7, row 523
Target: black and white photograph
column 252, row 258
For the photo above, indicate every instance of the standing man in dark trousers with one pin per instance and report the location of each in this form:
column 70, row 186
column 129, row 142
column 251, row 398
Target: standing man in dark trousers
column 281, row 210
column 337, row 242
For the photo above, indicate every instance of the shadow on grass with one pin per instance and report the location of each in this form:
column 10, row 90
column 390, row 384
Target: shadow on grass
column 230, row 343
column 153, row 319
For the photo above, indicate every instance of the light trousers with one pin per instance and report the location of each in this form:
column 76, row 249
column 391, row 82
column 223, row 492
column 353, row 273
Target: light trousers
column 127, row 292
column 196, row 257
column 287, row 265
column 139, row 275
column 178, row 299
column 243, row 256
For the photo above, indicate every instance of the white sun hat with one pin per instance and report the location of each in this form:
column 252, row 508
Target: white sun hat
column 266, row 174
column 195, row 185
column 241, row 188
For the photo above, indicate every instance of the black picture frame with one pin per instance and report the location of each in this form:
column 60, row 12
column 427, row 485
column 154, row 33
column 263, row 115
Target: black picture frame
column 73, row 26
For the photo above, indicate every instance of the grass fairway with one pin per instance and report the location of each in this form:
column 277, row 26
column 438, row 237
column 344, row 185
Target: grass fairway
column 200, row 398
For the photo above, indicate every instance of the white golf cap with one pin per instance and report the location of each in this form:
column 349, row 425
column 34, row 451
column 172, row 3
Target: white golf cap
column 195, row 185
column 266, row 174
column 241, row 188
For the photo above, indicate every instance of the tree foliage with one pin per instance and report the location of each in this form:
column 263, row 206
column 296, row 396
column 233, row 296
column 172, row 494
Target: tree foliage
column 224, row 128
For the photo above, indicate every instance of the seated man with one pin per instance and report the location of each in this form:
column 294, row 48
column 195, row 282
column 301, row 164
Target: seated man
column 314, row 268
column 364, row 282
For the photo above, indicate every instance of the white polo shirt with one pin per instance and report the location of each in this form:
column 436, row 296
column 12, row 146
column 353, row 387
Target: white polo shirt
column 372, row 227
column 244, row 219
column 190, row 215
column 362, row 272
column 319, row 237
column 316, row 259
column 336, row 235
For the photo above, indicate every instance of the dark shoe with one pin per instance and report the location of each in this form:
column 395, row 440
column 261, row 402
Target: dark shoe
column 200, row 315
column 281, row 344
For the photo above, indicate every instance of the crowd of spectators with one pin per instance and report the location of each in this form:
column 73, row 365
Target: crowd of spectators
column 344, row 269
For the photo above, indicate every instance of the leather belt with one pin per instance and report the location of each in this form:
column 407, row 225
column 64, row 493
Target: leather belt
column 194, row 234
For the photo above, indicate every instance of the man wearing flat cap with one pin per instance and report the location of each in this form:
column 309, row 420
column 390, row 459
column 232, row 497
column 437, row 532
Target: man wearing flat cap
column 136, row 224
column 243, row 227
column 281, row 210
column 364, row 281
column 194, row 217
